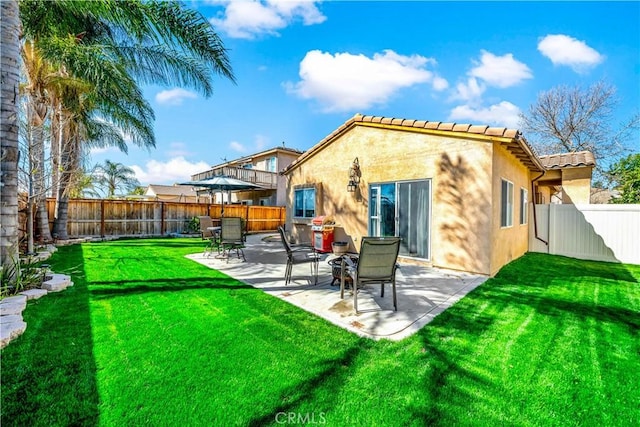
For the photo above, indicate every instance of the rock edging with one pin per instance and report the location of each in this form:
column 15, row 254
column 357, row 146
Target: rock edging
column 12, row 325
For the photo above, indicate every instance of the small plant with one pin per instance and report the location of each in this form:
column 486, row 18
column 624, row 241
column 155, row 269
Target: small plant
column 20, row 276
column 193, row 225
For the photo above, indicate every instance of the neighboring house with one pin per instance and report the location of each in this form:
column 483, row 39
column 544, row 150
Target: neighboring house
column 262, row 169
column 173, row 193
column 458, row 195
column 567, row 179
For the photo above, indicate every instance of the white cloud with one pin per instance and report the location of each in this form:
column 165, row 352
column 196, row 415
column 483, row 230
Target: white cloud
column 503, row 114
column 175, row 170
column 500, row 71
column 565, row 50
column 470, row 91
column 347, row 82
column 103, row 150
column 178, row 149
column 236, row 146
column 174, row 96
column 248, row 19
column 439, row 83
column 261, row 142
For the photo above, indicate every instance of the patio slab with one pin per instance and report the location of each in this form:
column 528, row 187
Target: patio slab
column 422, row 292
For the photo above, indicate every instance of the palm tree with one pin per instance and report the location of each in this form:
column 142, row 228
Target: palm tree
column 113, row 176
column 83, row 185
column 39, row 75
column 10, row 75
column 107, row 44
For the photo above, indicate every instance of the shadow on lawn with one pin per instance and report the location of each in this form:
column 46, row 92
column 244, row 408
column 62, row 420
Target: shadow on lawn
column 161, row 242
column 49, row 373
column 446, row 382
column 557, row 307
column 337, row 371
column 116, row 288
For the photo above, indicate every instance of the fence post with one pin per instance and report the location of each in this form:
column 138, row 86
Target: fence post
column 162, row 218
column 102, row 218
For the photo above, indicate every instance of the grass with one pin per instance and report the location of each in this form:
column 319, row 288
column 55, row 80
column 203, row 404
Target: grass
column 147, row 337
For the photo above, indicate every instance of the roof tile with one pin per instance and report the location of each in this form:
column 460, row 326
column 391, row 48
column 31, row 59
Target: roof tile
column 478, row 129
column 461, row 127
column 532, row 160
column 561, row 160
column 494, row 131
column 432, row 125
column 446, row 126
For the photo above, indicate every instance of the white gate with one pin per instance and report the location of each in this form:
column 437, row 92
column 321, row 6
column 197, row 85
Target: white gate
column 595, row 232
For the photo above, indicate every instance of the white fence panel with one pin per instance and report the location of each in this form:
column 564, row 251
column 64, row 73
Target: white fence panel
column 542, row 221
column 596, row 232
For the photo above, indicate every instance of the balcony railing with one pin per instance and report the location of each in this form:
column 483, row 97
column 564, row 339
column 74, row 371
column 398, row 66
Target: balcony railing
column 261, row 178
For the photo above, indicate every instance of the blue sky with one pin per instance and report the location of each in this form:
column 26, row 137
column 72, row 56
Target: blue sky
column 304, row 68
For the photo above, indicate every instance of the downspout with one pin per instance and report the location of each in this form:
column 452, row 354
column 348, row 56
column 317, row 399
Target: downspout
column 535, row 219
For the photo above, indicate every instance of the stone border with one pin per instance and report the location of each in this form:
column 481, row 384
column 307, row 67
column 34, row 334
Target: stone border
column 12, row 324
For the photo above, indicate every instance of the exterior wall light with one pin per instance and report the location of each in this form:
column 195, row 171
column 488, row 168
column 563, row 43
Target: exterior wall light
column 354, row 176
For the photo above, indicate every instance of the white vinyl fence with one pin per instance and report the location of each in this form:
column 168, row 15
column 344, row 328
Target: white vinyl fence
column 595, row 232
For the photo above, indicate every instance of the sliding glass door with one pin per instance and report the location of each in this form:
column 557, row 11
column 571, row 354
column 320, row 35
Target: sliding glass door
column 402, row 209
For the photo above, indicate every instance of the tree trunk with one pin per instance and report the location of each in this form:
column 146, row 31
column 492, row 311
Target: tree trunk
column 42, row 230
column 10, row 75
column 68, row 153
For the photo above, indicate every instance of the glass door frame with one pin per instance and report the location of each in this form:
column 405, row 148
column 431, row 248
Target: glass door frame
column 374, row 221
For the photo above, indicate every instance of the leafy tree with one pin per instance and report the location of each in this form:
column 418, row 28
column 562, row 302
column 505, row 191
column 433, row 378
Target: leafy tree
column 572, row 119
column 114, row 176
column 626, row 176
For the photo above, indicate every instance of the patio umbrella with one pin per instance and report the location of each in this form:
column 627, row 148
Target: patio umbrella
column 223, row 183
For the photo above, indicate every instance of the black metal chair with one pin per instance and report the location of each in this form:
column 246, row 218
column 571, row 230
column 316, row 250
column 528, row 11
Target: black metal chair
column 207, row 233
column 377, row 263
column 231, row 236
column 299, row 254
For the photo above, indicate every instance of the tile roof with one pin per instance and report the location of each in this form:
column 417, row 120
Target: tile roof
column 563, row 160
column 518, row 145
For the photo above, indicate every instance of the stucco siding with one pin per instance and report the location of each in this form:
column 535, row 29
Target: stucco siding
column 508, row 243
column 576, row 185
column 460, row 172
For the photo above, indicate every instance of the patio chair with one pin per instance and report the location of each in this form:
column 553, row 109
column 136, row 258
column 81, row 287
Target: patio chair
column 299, row 254
column 231, row 236
column 377, row 263
column 206, row 225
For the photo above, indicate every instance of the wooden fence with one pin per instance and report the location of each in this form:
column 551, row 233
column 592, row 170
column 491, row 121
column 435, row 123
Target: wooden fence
column 99, row 217
column 595, row 232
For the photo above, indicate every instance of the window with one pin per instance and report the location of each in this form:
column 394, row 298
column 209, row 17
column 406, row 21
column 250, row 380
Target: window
column 271, row 164
column 523, row 206
column 304, row 203
column 506, row 204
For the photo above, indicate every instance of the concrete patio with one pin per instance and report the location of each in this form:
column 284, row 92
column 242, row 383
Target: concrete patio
column 422, row 292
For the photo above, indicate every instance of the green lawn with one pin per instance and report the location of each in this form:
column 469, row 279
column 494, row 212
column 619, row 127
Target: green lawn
column 147, row 337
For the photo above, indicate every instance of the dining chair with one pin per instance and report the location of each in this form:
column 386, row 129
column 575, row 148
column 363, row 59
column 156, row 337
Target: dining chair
column 299, row 254
column 206, row 223
column 377, row 263
column 231, row 236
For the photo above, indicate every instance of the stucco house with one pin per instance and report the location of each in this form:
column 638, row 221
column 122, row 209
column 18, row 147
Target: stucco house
column 172, row 193
column 457, row 194
column 260, row 168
